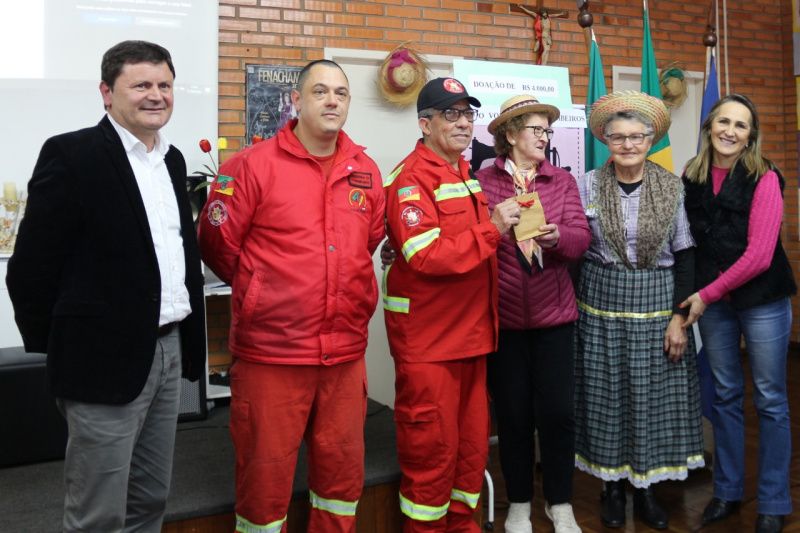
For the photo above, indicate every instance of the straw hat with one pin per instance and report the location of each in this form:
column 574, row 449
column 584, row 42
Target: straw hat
column 401, row 76
column 644, row 104
column 520, row 105
column 673, row 85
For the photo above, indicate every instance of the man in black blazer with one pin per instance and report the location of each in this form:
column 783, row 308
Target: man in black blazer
column 105, row 278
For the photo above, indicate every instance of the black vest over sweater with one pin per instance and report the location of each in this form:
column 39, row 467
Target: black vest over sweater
column 719, row 226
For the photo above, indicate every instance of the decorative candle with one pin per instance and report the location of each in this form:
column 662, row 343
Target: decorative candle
column 10, row 191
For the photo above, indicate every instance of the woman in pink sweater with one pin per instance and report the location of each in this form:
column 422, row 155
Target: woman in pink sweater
column 734, row 203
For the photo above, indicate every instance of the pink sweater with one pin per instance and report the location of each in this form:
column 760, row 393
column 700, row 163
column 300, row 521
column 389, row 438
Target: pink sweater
column 766, row 212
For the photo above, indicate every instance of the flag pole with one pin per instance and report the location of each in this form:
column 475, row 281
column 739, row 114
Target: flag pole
column 710, row 42
column 585, row 21
column 596, row 153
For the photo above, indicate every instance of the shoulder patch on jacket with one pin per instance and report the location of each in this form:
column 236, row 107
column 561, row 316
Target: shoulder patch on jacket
column 411, row 216
column 225, row 185
column 407, row 194
column 217, row 213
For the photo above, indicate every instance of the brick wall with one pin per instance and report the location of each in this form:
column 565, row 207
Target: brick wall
column 294, row 32
column 783, row 147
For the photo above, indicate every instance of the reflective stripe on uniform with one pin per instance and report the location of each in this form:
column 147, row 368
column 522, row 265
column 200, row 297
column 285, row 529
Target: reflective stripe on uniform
column 474, row 186
column 245, row 526
column 338, row 507
column 391, row 177
column 469, row 498
column 396, row 304
column 448, row 191
column 425, row 513
column 622, row 314
column 418, row 242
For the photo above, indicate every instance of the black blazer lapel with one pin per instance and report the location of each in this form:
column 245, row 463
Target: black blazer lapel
column 177, row 173
column 119, row 158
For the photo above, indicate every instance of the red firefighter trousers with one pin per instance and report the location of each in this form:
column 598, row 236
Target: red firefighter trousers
column 442, row 420
column 273, row 409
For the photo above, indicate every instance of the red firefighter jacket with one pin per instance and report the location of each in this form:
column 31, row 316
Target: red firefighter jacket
column 440, row 295
column 296, row 249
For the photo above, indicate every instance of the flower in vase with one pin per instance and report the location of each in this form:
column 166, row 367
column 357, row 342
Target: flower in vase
column 210, row 171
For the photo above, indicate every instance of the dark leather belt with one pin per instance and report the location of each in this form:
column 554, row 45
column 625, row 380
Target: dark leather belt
column 166, row 329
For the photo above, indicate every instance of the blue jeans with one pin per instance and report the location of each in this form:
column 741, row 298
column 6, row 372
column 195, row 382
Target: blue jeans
column 766, row 331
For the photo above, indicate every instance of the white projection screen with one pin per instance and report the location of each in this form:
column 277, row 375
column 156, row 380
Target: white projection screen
column 50, row 52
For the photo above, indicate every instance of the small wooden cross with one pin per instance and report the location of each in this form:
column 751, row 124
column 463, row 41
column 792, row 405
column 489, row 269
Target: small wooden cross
column 539, row 10
column 542, row 37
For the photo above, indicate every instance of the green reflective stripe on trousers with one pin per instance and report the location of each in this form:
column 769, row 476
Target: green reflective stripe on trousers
column 622, row 314
column 417, row 511
column 391, row 177
column 395, row 304
column 338, row 507
column 245, row 526
column 418, row 242
column 470, row 498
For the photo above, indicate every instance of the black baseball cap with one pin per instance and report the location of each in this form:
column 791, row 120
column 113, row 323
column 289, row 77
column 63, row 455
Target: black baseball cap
column 440, row 93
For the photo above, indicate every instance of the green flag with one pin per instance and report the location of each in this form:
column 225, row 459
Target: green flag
column 596, row 151
column 661, row 152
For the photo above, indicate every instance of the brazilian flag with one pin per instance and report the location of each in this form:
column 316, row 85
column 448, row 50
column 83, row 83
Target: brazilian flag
column 661, row 152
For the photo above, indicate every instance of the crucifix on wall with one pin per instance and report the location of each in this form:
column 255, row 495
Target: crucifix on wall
column 542, row 35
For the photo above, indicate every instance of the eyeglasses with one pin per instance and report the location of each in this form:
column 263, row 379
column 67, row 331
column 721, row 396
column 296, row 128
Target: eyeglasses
column 538, row 131
column 452, row 114
column 636, row 139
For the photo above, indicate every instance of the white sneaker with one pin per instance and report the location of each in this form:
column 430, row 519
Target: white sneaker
column 562, row 517
column 519, row 518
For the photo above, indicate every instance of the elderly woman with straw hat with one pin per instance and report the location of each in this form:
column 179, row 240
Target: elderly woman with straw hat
column 531, row 374
column 637, row 405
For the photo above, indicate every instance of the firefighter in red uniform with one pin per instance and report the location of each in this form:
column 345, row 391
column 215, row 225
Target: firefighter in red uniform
column 291, row 223
column 440, row 306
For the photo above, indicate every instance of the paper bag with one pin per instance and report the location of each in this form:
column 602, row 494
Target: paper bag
column 531, row 217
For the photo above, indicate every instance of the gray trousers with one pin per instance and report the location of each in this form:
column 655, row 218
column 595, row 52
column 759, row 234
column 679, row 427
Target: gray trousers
column 119, row 457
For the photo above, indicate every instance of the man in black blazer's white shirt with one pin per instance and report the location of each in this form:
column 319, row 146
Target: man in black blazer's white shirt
column 105, row 278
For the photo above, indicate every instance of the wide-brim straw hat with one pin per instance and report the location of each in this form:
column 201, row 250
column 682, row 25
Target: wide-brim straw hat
column 402, row 75
column 644, row 104
column 672, row 81
column 520, row 105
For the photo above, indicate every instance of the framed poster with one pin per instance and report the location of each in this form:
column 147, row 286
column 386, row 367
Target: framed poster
column 269, row 101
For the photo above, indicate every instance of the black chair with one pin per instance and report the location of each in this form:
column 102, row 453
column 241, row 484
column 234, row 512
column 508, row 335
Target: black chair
column 33, row 428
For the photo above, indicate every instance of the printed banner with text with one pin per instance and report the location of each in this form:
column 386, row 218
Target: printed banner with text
column 493, row 83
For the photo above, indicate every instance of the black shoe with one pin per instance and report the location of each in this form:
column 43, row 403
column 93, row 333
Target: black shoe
column 769, row 523
column 612, row 510
column 648, row 510
column 719, row 509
